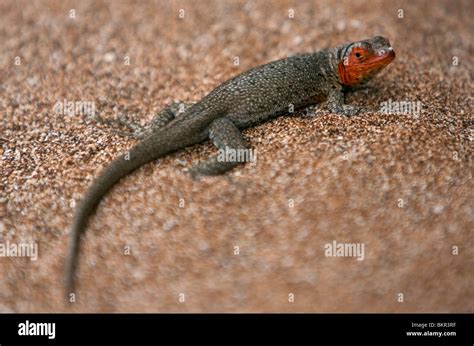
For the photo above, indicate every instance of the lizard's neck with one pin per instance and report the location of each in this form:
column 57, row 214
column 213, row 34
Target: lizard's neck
column 333, row 59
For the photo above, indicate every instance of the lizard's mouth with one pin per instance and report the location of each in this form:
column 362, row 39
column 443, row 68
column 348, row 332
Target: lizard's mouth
column 382, row 57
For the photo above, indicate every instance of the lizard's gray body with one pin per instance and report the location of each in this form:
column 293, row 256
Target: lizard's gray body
column 250, row 98
column 293, row 81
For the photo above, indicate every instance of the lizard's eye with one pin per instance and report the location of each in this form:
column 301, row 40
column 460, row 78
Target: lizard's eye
column 358, row 55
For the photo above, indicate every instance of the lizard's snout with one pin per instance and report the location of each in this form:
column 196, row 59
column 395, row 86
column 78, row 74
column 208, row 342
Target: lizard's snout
column 385, row 51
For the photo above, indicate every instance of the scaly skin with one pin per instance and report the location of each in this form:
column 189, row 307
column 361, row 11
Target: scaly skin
column 250, row 98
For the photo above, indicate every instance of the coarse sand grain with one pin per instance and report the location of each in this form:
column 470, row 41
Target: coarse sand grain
column 401, row 184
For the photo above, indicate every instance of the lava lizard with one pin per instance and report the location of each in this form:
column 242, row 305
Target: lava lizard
column 257, row 95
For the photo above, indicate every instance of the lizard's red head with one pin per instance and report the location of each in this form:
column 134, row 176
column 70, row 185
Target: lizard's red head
column 361, row 61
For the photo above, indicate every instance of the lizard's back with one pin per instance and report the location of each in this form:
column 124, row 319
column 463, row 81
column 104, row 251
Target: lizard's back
column 270, row 90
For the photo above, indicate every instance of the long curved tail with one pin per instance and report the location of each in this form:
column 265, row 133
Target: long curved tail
column 153, row 147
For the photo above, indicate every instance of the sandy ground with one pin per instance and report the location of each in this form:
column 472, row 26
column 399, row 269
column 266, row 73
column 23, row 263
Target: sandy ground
column 399, row 184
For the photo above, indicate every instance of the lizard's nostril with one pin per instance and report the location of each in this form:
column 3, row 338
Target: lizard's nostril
column 386, row 51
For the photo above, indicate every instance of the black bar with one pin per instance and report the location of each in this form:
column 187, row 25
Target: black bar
column 135, row 329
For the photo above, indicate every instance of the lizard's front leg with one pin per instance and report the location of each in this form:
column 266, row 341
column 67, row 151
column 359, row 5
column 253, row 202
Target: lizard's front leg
column 336, row 104
column 225, row 136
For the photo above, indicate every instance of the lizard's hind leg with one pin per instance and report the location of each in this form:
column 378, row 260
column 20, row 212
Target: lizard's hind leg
column 139, row 131
column 228, row 139
column 168, row 114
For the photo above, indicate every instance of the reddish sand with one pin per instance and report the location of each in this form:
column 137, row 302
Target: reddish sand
column 399, row 184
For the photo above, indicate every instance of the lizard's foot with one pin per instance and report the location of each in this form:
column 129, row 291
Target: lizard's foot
column 138, row 131
column 211, row 167
column 310, row 111
column 228, row 139
column 135, row 130
column 336, row 104
column 349, row 110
